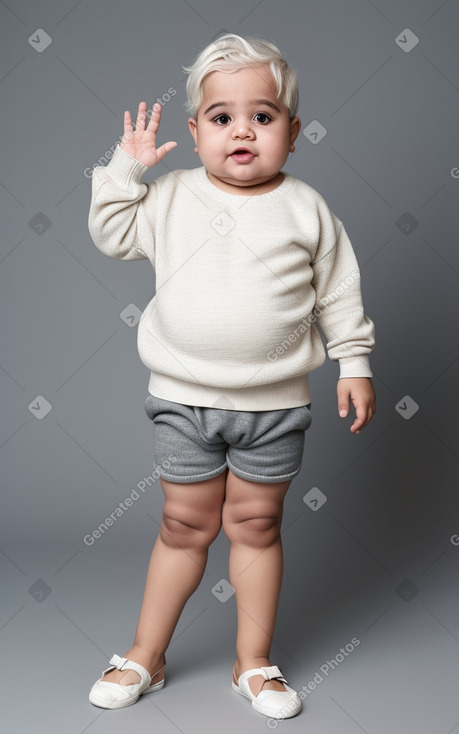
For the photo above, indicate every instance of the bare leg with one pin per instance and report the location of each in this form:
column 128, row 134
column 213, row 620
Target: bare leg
column 191, row 522
column 252, row 516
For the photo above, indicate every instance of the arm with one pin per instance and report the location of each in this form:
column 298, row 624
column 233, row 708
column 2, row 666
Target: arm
column 349, row 332
column 123, row 209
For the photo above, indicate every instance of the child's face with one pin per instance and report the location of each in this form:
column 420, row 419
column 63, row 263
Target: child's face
column 241, row 120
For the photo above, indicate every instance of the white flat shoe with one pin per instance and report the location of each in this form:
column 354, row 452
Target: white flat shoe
column 110, row 695
column 276, row 704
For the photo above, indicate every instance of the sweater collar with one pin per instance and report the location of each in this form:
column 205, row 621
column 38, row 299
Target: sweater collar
column 214, row 192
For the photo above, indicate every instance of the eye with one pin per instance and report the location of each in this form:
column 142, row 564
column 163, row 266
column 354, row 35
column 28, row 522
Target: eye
column 220, row 117
column 263, row 114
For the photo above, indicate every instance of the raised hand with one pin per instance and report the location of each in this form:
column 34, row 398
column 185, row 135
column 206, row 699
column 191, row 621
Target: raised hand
column 141, row 142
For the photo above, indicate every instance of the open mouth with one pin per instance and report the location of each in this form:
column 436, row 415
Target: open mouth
column 242, row 155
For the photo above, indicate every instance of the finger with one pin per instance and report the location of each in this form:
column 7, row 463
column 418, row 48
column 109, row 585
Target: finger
column 127, row 130
column 165, row 148
column 343, row 405
column 127, row 122
column 357, row 425
column 141, row 116
column 363, row 417
column 155, row 117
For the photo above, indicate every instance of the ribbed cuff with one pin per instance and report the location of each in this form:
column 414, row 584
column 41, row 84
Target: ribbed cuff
column 123, row 168
column 355, row 366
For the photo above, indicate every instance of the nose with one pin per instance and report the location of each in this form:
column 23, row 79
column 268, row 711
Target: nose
column 242, row 130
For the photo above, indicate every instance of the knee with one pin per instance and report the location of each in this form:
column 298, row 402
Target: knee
column 257, row 532
column 181, row 531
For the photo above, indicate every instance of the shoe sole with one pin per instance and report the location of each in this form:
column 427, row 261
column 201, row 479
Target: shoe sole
column 96, row 701
column 113, row 705
column 262, row 710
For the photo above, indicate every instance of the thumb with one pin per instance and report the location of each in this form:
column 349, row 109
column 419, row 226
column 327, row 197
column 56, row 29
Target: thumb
column 165, row 148
column 343, row 404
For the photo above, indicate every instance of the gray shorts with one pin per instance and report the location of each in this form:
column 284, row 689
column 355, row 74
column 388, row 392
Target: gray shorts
column 194, row 443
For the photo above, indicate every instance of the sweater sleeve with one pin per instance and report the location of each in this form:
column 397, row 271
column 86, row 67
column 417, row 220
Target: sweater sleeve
column 338, row 308
column 123, row 210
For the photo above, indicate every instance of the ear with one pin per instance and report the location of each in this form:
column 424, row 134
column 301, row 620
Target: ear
column 295, row 127
column 192, row 126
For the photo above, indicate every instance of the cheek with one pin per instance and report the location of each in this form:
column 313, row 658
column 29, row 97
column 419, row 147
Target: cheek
column 277, row 144
column 278, row 137
column 207, row 137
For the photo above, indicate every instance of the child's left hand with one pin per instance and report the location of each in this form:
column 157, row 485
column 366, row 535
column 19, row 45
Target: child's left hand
column 362, row 394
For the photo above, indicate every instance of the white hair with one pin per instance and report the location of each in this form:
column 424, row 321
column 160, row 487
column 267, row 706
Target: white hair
column 230, row 52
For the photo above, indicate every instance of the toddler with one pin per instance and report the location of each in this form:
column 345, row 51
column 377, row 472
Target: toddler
column 248, row 261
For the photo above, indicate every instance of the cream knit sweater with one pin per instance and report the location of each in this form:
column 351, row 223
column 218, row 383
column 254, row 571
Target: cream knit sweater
column 241, row 284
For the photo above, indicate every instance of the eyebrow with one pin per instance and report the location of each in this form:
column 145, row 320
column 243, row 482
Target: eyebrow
column 252, row 101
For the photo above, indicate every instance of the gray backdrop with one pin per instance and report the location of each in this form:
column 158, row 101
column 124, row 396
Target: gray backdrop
column 372, row 554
